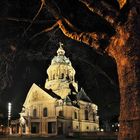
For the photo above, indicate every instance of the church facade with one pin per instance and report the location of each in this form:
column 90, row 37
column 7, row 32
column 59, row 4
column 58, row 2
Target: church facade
column 60, row 107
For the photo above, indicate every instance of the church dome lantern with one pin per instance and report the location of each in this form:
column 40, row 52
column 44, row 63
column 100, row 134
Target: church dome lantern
column 60, row 51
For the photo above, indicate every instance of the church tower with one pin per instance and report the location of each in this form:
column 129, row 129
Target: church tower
column 61, row 74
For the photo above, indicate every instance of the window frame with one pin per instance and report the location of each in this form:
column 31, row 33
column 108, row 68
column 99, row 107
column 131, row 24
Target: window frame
column 34, row 112
column 45, row 112
column 86, row 115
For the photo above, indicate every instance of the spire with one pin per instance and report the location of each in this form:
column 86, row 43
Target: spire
column 60, row 51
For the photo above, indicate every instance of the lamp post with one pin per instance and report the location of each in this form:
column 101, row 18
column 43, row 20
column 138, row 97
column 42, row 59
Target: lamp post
column 9, row 116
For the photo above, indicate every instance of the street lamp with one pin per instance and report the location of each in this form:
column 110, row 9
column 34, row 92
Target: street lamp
column 9, row 113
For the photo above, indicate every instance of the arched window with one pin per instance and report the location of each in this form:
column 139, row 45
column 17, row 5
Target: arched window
column 34, row 113
column 53, row 76
column 62, row 75
column 94, row 115
column 86, row 114
column 45, row 112
column 75, row 115
column 67, row 77
column 61, row 113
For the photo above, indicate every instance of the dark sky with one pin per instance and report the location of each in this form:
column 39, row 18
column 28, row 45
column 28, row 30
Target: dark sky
column 24, row 60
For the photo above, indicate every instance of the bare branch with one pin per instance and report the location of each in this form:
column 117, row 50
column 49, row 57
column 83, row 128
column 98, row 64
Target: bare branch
column 122, row 3
column 53, row 9
column 15, row 19
column 71, row 25
column 91, row 39
column 98, row 70
column 42, row 4
column 103, row 10
column 45, row 30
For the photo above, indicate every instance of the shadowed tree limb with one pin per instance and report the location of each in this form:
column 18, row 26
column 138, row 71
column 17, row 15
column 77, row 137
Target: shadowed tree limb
column 102, row 9
column 45, row 30
column 41, row 6
column 122, row 3
column 98, row 70
column 71, row 25
column 92, row 39
column 15, row 19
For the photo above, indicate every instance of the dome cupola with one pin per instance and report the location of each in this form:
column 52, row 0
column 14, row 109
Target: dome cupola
column 61, row 74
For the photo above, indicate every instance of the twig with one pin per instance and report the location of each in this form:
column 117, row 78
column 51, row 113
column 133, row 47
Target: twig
column 42, row 4
column 44, row 31
column 16, row 19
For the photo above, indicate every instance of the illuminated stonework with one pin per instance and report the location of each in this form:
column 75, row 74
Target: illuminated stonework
column 59, row 108
column 61, row 74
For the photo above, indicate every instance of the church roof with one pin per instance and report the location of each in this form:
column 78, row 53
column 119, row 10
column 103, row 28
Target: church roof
column 61, row 59
column 51, row 93
column 83, row 96
column 71, row 99
column 67, row 100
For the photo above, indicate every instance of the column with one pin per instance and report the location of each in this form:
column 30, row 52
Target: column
column 10, row 130
column 27, row 130
column 20, row 130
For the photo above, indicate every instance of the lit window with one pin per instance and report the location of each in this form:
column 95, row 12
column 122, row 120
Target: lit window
column 34, row 112
column 86, row 114
column 45, row 112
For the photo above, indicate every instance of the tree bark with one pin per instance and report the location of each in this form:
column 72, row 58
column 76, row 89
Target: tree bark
column 125, row 49
column 129, row 81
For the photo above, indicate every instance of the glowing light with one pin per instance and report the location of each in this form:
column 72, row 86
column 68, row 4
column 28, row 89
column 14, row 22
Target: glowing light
column 102, row 130
column 9, row 110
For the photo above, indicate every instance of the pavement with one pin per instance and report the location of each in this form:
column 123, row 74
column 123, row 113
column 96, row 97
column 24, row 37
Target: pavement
column 54, row 138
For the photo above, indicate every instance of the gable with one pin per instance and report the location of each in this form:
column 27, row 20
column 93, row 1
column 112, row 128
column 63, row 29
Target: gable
column 36, row 94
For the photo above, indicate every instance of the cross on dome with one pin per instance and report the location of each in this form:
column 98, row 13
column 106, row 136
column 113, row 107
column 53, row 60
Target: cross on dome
column 60, row 51
column 61, row 44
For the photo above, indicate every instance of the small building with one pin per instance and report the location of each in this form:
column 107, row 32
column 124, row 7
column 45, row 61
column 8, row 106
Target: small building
column 59, row 107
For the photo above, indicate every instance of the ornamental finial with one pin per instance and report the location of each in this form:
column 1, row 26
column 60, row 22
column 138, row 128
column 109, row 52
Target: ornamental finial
column 61, row 44
column 60, row 51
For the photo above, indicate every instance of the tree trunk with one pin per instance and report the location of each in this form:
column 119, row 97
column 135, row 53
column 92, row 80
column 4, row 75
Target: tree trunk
column 125, row 48
column 128, row 65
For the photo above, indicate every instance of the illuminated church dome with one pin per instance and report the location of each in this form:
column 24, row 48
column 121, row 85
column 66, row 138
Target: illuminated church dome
column 61, row 58
column 61, row 74
column 61, row 67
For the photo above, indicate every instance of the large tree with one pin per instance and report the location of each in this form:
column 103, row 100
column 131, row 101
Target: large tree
column 121, row 43
column 123, row 47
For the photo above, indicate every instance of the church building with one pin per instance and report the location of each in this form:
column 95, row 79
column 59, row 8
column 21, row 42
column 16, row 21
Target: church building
column 59, row 107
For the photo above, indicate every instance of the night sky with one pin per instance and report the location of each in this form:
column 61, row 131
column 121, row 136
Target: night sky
column 24, row 58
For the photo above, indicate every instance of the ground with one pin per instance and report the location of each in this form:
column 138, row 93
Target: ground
column 56, row 138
